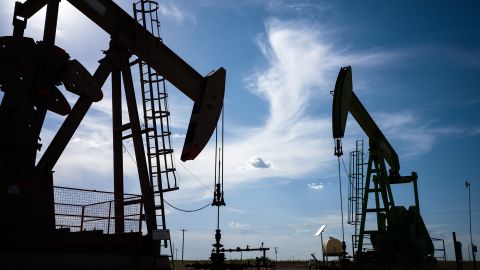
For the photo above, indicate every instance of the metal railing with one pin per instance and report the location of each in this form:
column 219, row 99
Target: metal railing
column 87, row 210
column 439, row 245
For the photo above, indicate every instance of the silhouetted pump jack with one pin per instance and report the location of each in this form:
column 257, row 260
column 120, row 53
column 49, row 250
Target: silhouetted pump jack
column 30, row 73
column 400, row 236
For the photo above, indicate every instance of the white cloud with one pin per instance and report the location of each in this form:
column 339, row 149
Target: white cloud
column 258, row 163
column 236, row 225
column 316, row 186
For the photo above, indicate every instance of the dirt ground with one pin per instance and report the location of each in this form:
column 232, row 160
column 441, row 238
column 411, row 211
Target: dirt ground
column 303, row 265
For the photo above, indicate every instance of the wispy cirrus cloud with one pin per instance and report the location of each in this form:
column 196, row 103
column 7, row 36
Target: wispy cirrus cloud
column 170, row 10
column 415, row 135
column 300, row 70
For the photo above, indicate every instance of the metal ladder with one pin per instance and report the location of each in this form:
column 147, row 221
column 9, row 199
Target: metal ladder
column 156, row 124
column 355, row 190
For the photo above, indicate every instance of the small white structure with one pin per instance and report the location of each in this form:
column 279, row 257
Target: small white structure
column 332, row 247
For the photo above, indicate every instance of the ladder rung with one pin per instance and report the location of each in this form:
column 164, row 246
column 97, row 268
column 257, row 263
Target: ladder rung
column 149, row 99
column 136, row 61
column 163, row 113
column 123, row 127
column 161, row 152
column 157, row 80
column 374, row 210
column 168, row 170
column 166, row 190
column 163, row 133
column 143, row 131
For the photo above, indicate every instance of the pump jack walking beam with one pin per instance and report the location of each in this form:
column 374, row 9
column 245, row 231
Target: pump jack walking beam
column 206, row 92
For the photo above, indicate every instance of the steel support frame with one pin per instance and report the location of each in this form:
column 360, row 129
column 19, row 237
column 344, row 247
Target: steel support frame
column 207, row 92
column 141, row 161
column 49, row 32
column 117, row 151
column 382, row 185
column 376, row 166
column 73, row 120
column 115, row 62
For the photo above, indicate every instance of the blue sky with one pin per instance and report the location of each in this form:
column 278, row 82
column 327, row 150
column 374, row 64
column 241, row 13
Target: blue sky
column 415, row 68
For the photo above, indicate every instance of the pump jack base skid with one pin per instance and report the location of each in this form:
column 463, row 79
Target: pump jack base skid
column 79, row 250
column 380, row 261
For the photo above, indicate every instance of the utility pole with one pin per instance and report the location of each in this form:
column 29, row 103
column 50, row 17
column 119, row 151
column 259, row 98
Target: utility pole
column 276, row 250
column 183, row 240
column 474, row 248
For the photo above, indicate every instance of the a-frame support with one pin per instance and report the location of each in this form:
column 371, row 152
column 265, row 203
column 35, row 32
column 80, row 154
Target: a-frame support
column 115, row 62
column 378, row 176
column 122, row 66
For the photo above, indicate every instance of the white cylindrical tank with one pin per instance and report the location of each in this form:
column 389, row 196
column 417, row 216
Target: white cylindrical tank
column 332, row 247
